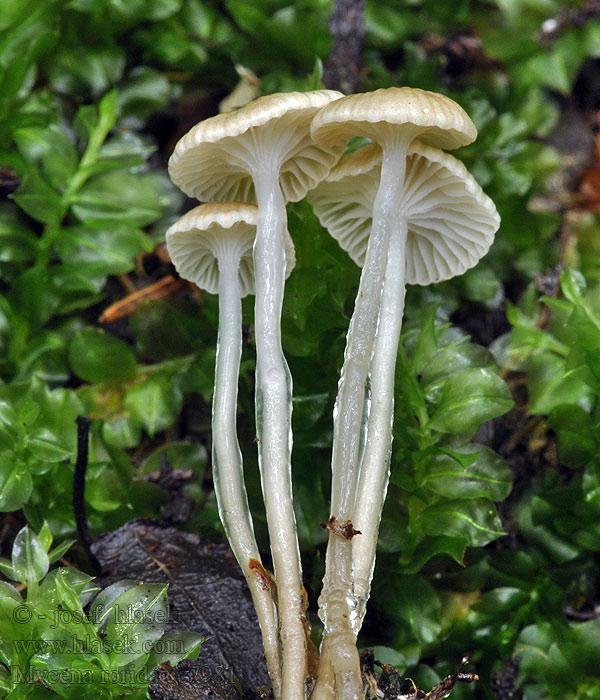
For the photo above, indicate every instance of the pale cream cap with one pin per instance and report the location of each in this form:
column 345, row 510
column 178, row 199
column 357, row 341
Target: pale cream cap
column 200, row 237
column 434, row 119
column 451, row 221
column 214, row 160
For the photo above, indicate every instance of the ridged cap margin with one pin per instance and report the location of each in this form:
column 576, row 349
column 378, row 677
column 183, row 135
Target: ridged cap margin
column 451, row 221
column 211, row 161
column 193, row 243
column 439, row 121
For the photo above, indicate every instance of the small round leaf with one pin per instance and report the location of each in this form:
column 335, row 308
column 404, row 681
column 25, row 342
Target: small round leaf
column 96, row 356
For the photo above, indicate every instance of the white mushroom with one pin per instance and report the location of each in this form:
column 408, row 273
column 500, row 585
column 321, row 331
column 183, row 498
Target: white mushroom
column 394, row 118
column 264, row 152
column 450, row 225
column 211, row 246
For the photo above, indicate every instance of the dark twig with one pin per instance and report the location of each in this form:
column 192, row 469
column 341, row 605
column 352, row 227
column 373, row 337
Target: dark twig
column 83, row 440
column 504, row 681
column 347, row 27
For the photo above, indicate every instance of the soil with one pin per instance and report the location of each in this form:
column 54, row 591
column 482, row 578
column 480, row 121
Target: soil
column 207, row 595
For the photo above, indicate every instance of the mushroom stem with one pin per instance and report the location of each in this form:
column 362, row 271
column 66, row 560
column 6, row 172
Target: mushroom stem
column 228, row 473
column 324, row 688
column 337, row 601
column 375, row 463
column 273, row 426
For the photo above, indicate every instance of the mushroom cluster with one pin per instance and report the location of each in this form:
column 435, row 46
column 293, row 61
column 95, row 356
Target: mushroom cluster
column 406, row 212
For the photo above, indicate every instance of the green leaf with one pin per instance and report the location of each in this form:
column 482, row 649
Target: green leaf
column 67, row 595
column 18, row 244
column 104, row 250
column 7, row 569
column 81, row 583
column 29, row 411
column 557, row 66
column 9, row 591
column 59, row 409
column 559, row 548
column 146, row 91
column 448, row 361
column 43, row 445
column 34, row 298
column 481, row 284
column 572, row 284
column 315, row 79
column 85, row 122
column 165, row 329
column 307, row 410
column 51, row 147
column 121, row 13
column 575, row 433
column 155, row 403
column 16, row 483
column 138, row 618
column 86, row 72
column 502, row 600
column 426, row 345
column 60, row 550
column 469, row 398
column 38, row 199
column 27, row 30
column 476, row 521
column 59, row 670
column 15, row 624
column 310, row 506
column 413, row 602
column 488, row 477
column 174, row 647
column 539, row 654
column 147, row 499
column 45, row 536
column 156, row 9
column 429, row 547
column 303, row 287
column 390, row 656
column 9, row 420
column 79, row 285
column 123, row 150
column 121, row 197
column 585, row 325
column 29, row 558
column 105, row 602
column 591, row 483
column 104, row 489
column 552, row 384
column 180, row 455
column 96, row 356
column 587, row 636
column 121, row 431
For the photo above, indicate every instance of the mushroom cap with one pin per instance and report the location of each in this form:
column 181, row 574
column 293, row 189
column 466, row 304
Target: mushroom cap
column 211, row 231
column 215, row 159
column 451, row 221
column 434, row 119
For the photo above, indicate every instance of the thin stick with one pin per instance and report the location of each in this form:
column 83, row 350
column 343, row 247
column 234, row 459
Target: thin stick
column 81, row 463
